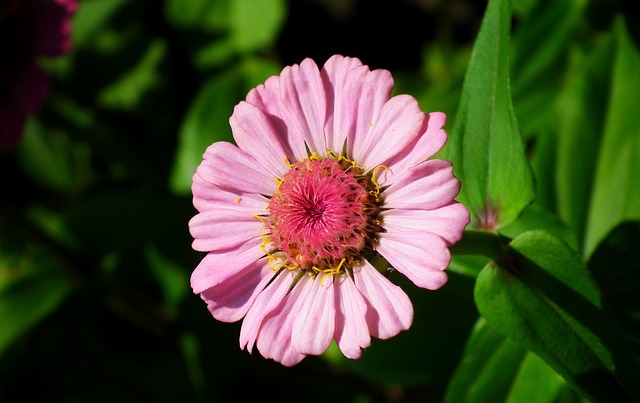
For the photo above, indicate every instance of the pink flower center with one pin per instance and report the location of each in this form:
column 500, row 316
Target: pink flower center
column 324, row 215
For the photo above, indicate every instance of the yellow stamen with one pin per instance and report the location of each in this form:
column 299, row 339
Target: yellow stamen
column 376, row 192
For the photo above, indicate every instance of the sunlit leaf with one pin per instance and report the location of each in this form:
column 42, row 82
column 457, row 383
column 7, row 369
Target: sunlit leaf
column 616, row 191
column 542, row 296
column 486, row 146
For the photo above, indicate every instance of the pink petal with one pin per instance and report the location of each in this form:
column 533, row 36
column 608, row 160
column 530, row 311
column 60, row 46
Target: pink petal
column 430, row 142
column 222, row 229
column 255, row 135
column 352, row 333
column 448, row 221
column 267, row 98
column 269, row 299
column 389, row 310
column 398, row 125
column 315, row 322
column 230, row 300
column 427, row 186
column 226, row 166
column 366, row 92
column 274, row 340
column 334, row 73
column 302, row 92
column 216, row 267
column 210, row 197
column 421, row 256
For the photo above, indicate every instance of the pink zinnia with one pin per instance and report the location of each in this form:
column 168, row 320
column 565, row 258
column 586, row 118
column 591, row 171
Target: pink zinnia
column 28, row 29
column 329, row 187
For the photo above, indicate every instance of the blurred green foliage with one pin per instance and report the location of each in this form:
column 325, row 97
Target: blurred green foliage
column 95, row 256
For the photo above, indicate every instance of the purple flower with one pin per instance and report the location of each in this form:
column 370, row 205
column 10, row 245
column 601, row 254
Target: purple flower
column 29, row 29
column 330, row 185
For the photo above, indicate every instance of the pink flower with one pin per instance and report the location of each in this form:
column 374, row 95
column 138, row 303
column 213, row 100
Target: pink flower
column 328, row 187
column 28, row 29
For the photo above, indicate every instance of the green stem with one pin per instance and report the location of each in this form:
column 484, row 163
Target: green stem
column 481, row 243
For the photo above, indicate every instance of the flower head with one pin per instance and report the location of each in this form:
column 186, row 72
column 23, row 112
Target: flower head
column 328, row 187
column 28, row 29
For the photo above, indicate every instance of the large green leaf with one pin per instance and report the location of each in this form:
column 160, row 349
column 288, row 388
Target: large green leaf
column 486, row 147
column 542, row 296
column 616, row 192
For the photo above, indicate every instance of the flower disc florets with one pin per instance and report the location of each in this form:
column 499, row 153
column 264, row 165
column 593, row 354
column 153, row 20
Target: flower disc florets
column 324, row 216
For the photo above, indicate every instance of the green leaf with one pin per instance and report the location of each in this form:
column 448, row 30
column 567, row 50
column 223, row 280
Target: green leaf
column 543, row 163
column 536, row 217
column 255, row 23
column 49, row 157
column 535, row 382
column 32, row 285
column 90, row 18
column 488, row 367
column 581, row 112
column 207, row 120
column 542, row 296
column 172, row 278
column 539, row 57
column 201, row 14
column 467, row 265
column 126, row 92
column 616, row 191
column 486, row 147
column 495, row 369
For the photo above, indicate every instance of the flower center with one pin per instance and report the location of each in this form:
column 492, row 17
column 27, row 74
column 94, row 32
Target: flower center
column 324, row 215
